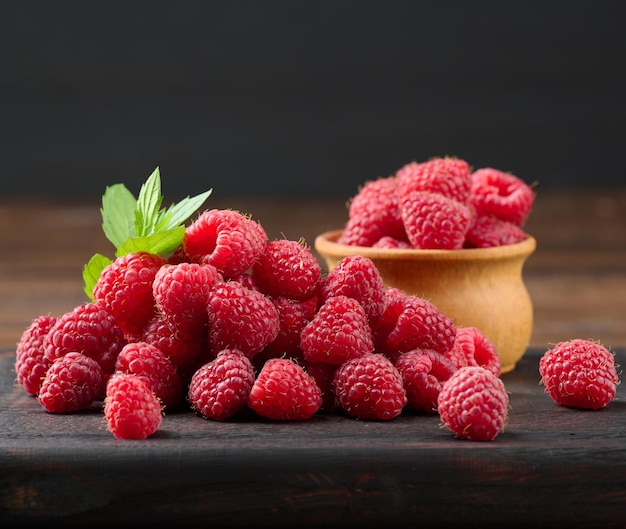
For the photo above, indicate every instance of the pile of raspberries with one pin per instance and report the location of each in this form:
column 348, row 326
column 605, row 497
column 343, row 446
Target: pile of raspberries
column 439, row 204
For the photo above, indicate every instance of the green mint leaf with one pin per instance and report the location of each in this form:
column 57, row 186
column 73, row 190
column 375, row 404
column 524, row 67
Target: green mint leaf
column 91, row 273
column 161, row 243
column 181, row 211
column 118, row 214
column 149, row 204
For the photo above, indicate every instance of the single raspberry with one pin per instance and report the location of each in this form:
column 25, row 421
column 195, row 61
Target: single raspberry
column 219, row 389
column 447, row 176
column 423, row 373
column 131, row 408
column 370, row 387
column 73, row 382
column 124, row 288
column 294, row 316
column 434, row 221
column 357, row 277
column 390, row 243
column 477, row 349
column 89, row 329
column 501, row 194
column 30, row 365
column 580, row 374
column 411, row 322
column 284, row 391
column 154, row 368
column 287, row 269
column 181, row 293
column 487, row 231
column 338, row 332
column 473, row 404
column 241, row 318
column 226, row 239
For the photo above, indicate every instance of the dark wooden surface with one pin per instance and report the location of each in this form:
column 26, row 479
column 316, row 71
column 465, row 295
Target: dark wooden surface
column 551, row 467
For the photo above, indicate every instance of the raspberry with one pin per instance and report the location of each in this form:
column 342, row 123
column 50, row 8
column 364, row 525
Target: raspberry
column 487, row 231
column 338, row 332
column 154, row 368
column 370, row 387
column 579, row 373
column 219, row 389
column 357, row 277
column 241, row 318
column 71, row 383
column 226, row 239
column 447, row 176
column 501, row 194
column 389, row 243
column 124, row 288
column 287, row 269
column 473, row 404
column 181, row 292
column 477, row 349
column 30, row 365
column 411, row 322
column 88, row 329
column 284, row 391
column 423, row 373
column 131, row 409
column 294, row 316
column 434, row 221
column 323, row 374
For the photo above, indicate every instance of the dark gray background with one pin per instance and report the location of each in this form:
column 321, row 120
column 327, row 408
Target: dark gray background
column 306, row 98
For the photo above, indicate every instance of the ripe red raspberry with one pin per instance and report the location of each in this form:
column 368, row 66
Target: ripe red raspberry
column 473, row 404
column 390, row 243
column 219, row 389
column 338, row 332
column 71, row 383
column 226, row 239
column 501, row 194
column 487, row 231
column 579, row 373
column 284, row 391
column 131, row 409
column 357, row 277
column 287, row 269
column 411, row 322
column 181, row 293
column 446, row 176
column 323, row 374
column 434, row 221
column 88, row 329
column 154, row 368
column 423, row 373
column 124, row 288
column 477, row 349
column 241, row 318
column 30, row 365
column 370, row 387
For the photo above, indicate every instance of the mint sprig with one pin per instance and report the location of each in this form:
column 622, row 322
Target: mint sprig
column 140, row 224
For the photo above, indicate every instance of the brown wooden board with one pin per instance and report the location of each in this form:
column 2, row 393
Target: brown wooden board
column 552, row 467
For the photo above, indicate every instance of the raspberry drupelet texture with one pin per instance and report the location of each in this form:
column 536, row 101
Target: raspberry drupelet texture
column 487, row 231
column 73, row 382
column 219, row 389
column 338, row 332
column 287, row 269
column 131, row 409
column 30, row 366
column 89, row 329
column 240, row 318
column 502, row 195
column 473, row 403
column 226, row 239
column 124, row 288
column 580, row 374
column 370, row 387
column 284, row 391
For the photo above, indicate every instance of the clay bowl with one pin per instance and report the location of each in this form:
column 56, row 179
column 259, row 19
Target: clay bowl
column 477, row 287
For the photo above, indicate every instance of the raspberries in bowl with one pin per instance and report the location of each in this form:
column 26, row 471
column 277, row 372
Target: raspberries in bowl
column 453, row 235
